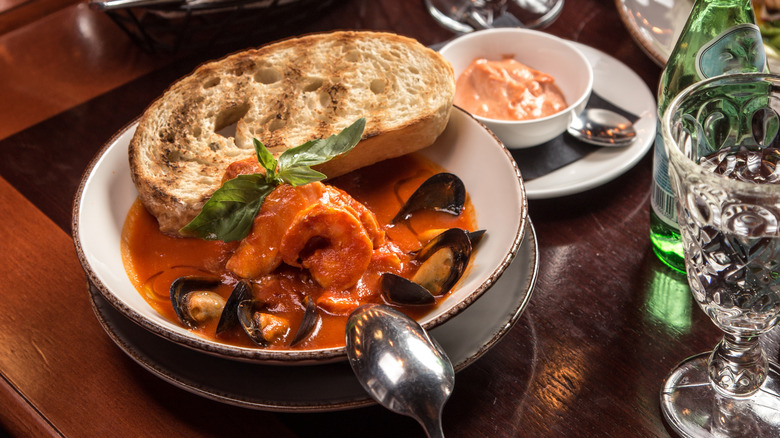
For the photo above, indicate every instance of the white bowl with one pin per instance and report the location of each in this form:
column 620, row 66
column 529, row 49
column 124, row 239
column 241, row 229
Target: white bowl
column 541, row 51
column 492, row 181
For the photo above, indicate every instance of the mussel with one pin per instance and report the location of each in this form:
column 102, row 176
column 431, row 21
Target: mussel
column 442, row 192
column 194, row 300
column 252, row 321
column 401, row 290
column 196, row 303
column 308, row 322
column 229, row 318
column 263, row 327
column 442, row 262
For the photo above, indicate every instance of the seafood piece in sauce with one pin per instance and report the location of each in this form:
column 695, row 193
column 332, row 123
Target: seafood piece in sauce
column 258, row 254
column 331, row 243
column 313, row 226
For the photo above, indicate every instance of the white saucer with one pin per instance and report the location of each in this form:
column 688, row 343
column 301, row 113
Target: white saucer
column 620, row 85
column 328, row 387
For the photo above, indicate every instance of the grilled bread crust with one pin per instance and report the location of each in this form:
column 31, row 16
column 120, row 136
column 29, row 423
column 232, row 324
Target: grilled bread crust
column 285, row 94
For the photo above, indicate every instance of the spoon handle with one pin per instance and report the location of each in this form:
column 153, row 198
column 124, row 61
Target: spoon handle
column 432, row 426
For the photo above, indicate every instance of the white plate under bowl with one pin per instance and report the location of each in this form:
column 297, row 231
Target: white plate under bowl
column 618, row 84
column 466, row 148
column 327, row 387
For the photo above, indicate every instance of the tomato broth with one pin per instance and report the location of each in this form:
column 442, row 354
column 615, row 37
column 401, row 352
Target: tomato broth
column 154, row 260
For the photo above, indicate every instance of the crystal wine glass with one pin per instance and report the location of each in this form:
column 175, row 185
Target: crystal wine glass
column 468, row 15
column 723, row 138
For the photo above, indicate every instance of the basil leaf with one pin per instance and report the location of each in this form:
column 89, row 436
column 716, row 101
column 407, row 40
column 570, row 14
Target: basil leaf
column 298, row 176
column 319, row 151
column 265, row 158
column 230, row 212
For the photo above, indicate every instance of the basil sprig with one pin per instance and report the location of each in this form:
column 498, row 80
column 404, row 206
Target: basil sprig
column 229, row 213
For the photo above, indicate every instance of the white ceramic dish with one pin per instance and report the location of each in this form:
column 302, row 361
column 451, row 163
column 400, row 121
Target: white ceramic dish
column 656, row 25
column 541, row 51
column 329, row 387
column 492, row 181
column 617, row 83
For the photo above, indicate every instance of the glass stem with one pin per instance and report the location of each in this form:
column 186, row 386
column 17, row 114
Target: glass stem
column 738, row 365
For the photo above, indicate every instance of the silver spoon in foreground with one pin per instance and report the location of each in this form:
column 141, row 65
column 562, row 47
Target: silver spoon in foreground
column 602, row 128
column 399, row 365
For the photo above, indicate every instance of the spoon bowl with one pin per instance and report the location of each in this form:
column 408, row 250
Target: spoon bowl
column 602, row 127
column 399, row 364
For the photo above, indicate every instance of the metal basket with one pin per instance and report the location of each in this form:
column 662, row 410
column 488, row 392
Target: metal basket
column 174, row 25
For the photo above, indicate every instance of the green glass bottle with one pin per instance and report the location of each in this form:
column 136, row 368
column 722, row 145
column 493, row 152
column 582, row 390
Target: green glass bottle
column 719, row 37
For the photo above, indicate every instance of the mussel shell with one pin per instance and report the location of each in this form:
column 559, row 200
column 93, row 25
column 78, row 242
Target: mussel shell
column 475, row 237
column 308, row 322
column 246, row 317
column 442, row 262
column 442, row 192
column 400, row 290
column 455, row 238
column 440, row 277
column 181, row 288
column 229, row 318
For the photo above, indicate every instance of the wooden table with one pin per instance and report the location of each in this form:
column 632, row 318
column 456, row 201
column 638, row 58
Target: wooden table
column 587, row 358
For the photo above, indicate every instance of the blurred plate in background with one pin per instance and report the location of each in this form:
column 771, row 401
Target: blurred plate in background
column 656, row 25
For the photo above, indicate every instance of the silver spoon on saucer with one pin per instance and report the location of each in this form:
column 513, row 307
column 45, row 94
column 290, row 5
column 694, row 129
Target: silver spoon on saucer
column 399, row 364
column 602, row 127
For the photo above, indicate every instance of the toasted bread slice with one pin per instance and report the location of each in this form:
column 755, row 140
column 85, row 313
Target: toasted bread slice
column 285, row 94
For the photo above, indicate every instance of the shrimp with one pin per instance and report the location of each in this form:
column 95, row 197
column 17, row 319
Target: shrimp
column 246, row 166
column 258, row 253
column 329, row 241
column 337, row 228
column 360, row 211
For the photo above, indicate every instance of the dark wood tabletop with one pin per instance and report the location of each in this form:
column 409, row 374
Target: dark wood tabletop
column 606, row 323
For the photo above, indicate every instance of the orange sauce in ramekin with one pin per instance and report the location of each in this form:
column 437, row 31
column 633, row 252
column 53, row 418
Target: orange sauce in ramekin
column 507, row 90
